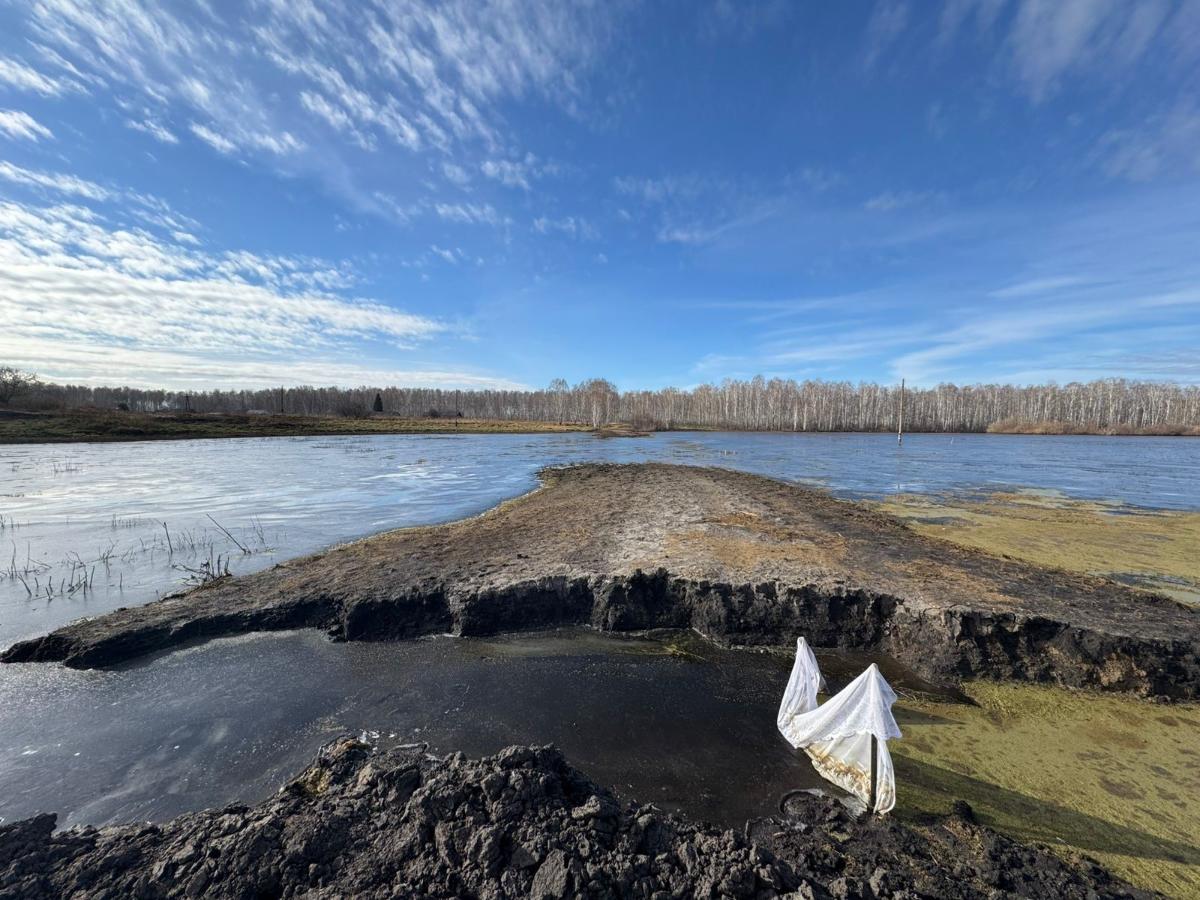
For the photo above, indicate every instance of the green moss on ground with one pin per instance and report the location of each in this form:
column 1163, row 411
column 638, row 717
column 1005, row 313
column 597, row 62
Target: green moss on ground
column 1154, row 549
column 1111, row 777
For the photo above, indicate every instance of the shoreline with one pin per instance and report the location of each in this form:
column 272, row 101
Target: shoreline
column 93, row 428
column 740, row 558
column 107, row 426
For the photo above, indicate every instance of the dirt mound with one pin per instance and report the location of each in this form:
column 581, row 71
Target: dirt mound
column 522, row 823
column 740, row 558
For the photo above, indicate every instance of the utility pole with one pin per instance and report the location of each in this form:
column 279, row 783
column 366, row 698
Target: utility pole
column 900, row 424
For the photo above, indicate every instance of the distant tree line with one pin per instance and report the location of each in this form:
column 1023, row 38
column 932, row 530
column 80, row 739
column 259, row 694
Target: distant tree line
column 758, row 404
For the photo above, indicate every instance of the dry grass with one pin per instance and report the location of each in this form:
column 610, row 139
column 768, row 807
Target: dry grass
column 1020, row 426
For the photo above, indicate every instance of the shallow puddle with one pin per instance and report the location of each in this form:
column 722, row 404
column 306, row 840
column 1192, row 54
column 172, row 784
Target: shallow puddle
column 672, row 720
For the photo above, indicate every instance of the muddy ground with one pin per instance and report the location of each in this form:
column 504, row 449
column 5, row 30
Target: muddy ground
column 741, row 558
column 520, row 824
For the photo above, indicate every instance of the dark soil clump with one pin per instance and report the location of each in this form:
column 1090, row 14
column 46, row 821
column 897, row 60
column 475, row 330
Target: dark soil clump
column 522, row 823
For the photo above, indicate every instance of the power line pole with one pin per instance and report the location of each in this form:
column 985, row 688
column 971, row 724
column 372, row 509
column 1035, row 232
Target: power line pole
column 900, row 424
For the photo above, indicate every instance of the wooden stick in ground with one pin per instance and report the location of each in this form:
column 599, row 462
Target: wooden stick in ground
column 874, row 773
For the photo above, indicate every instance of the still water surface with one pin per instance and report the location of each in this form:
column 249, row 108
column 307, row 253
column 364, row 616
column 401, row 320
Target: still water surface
column 230, row 720
column 134, row 518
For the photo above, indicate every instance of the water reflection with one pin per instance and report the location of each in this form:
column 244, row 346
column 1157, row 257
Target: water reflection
column 231, row 719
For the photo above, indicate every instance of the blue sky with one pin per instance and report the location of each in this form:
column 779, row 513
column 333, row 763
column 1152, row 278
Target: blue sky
column 493, row 194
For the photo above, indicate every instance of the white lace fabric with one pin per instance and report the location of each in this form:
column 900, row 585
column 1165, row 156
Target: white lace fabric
column 837, row 734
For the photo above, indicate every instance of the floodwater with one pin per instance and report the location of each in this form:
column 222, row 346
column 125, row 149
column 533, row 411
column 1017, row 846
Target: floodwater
column 232, row 719
column 86, row 528
column 668, row 719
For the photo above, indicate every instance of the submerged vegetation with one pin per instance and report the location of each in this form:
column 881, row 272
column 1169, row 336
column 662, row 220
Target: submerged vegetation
column 1111, row 777
column 1153, row 549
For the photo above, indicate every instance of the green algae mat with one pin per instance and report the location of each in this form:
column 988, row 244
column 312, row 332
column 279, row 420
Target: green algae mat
column 1111, row 777
column 1154, row 549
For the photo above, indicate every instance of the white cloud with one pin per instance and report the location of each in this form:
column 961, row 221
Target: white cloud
column 935, row 120
column 819, row 179
column 21, row 125
column 179, row 370
column 722, row 20
column 572, row 226
column 53, row 181
column 421, row 75
column 888, row 20
column 890, row 201
column 468, row 213
column 305, row 90
column 450, row 256
column 667, row 187
column 1040, row 286
column 516, row 173
column 156, row 130
column 456, row 174
column 218, row 142
column 17, row 74
column 676, row 234
column 1065, row 325
column 1052, row 39
column 1163, row 142
column 337, row 117
column 956, row 12
column 1047, row 43
column 72, row 286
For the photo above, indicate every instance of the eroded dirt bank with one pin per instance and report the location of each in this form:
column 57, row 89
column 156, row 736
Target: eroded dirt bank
column 520, row 824
column 741, row 558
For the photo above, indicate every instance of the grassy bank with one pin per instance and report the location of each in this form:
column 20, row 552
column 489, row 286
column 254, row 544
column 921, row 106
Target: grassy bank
column 127, row 426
